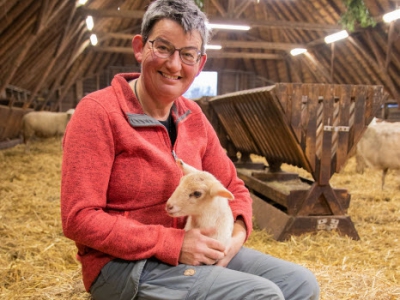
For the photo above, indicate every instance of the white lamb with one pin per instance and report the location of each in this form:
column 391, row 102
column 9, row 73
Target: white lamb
column 204, row 199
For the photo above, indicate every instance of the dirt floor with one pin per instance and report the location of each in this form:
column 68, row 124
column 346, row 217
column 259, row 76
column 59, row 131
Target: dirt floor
column 38, row 262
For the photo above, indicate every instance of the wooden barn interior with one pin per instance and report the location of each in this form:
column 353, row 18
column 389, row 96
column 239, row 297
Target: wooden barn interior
column 290, row 123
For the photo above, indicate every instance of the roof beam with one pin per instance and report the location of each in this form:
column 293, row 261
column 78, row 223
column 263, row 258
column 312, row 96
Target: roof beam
column 223, row 43
column 257, row 45
column 136, row 14
column 210, row 54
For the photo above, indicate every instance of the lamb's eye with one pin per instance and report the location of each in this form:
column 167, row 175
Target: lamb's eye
column 196, row 194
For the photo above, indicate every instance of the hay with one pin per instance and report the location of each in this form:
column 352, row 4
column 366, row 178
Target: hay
column 38, row 262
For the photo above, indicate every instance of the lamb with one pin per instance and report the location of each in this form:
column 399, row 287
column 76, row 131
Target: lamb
column 44, row 124
column 204, row 199
column 379, row 148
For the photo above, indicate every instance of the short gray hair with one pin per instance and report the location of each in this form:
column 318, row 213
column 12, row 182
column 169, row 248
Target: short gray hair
column 184, row 12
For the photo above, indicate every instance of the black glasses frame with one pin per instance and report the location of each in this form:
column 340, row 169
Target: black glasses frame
column 176, row 49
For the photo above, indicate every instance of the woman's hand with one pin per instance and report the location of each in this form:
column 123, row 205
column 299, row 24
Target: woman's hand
column 199, row 249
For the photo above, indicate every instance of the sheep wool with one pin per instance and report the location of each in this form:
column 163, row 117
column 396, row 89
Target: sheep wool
column 204, row 199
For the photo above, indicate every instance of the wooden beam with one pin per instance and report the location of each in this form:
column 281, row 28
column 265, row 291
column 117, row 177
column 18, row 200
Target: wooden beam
column 77, row 50
column 210, row 53
column 39, row 21
column 379, row 69
column 136, row 14
column 111, row 13
column 257, row 45
column 223, row 43
column 391, row 38
column 244, row 55
column 219, row 7
column 241, row 8
column 318, row 67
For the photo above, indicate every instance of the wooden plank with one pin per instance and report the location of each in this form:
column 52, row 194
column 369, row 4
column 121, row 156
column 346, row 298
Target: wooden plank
column 284, row 98
column 311, row 106
column 269, row 217
column 323, row 193
column 357, row 130
column 261, row 187
column 278, row 176
column 10, row 143
column 312, row 224
column 235, row 127
column 296, row 118
column 325, row 171
column 283, row 226
column 343, row 135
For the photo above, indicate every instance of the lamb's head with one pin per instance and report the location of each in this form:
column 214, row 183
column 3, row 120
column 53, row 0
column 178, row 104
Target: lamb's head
column 195, row 191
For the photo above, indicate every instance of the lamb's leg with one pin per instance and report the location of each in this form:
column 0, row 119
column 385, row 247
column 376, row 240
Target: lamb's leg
column 384, row 172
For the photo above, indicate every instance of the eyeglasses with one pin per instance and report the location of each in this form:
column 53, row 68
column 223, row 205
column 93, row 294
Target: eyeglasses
column 164, row 49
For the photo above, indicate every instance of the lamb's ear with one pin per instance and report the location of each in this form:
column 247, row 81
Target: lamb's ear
column 217, row 189
column 186, row 169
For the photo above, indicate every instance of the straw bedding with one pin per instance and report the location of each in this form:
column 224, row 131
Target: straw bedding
column 38, row 262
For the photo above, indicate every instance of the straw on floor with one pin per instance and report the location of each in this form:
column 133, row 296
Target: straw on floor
column 38, row 262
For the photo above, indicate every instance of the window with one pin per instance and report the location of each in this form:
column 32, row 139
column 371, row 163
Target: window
column 204, row 85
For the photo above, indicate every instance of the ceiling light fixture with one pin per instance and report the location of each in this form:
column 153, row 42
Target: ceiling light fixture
column 228, row 27
column 391, row 16
column 336, row 36
column 213, row 47
column 80, row 2
column 297, row 51
column 93, row 39
column 89, row 22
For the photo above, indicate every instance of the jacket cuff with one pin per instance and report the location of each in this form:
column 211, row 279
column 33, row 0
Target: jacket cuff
column 170, row 246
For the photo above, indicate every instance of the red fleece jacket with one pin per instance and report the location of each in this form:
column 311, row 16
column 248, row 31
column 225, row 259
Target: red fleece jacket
column 118, row 172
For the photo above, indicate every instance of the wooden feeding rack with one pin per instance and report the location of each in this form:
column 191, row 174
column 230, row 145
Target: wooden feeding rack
column 311, row 126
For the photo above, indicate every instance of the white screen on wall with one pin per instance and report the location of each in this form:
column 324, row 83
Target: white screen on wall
column 204, row 85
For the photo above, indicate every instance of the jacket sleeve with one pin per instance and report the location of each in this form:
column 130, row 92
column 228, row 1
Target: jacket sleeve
column 216, row 161
column 88, row 156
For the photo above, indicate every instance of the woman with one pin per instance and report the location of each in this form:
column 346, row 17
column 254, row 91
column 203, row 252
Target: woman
column 119, row 170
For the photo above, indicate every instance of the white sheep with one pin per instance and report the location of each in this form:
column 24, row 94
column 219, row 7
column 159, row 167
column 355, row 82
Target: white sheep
column 44, row 124
column 204, row 199
column 379, row 148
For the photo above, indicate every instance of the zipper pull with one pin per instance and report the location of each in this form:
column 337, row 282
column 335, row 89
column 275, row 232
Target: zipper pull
column 174, row 155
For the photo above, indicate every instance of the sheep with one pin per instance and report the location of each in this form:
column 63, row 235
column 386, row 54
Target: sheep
column 44, row 124
column 379, row 148
column 204, row 200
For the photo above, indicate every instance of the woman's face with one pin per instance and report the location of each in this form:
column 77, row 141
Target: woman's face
column 165, row 79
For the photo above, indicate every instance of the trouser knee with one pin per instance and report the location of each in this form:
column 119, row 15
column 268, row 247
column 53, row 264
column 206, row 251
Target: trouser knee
column 267, row 290
column 304, row 286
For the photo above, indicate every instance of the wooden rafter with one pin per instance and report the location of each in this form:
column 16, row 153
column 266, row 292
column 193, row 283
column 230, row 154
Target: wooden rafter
column 380, row 69
column 135, row 14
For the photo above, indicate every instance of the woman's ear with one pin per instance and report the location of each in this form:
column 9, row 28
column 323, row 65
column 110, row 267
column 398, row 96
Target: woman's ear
column 137, row 46
column 202, row 62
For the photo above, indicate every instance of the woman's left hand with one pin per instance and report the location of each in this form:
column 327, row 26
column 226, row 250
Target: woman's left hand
column 237, row 241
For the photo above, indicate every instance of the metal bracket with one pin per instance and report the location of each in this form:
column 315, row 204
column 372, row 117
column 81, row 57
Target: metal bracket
column 322, row 224
column 336, row 128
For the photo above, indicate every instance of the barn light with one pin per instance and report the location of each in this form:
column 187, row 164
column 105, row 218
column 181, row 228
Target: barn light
column 228, row 27
column 214, row 47
column 336, row 36
column 81, row 2
column 389, row 17
column 89, row 22
column 297, row 51
column 93, row 39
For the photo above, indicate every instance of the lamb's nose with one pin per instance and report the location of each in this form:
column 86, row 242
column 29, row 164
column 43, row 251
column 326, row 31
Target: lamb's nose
column 169, row 207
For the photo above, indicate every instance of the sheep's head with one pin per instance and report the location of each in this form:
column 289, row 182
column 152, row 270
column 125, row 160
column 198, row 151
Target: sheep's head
column 195, row 190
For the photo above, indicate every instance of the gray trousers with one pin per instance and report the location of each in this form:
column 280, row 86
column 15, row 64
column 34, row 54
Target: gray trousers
column 249, row 275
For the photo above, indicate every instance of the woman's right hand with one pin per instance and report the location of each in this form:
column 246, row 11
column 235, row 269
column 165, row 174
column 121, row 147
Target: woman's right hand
column 199, row 249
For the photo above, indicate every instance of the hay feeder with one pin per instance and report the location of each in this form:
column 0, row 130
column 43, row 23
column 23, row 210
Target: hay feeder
column 312, row 126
